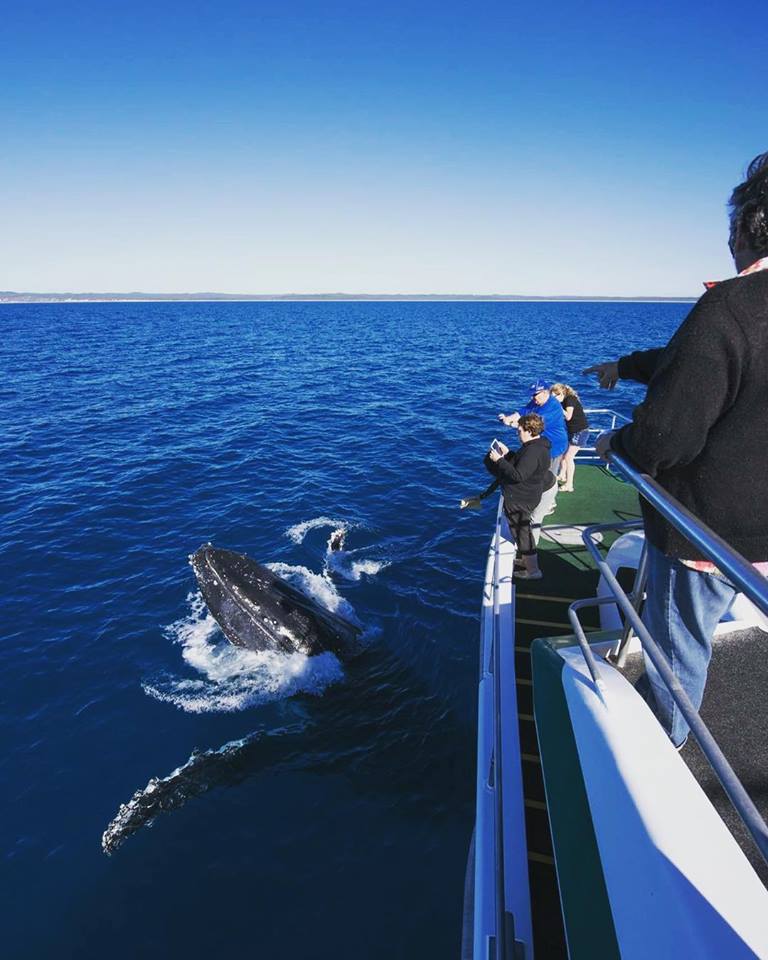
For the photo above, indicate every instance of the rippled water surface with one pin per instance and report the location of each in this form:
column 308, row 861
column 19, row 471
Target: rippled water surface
column 303, row 808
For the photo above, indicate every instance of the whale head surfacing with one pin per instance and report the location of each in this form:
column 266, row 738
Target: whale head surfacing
column 257, row 609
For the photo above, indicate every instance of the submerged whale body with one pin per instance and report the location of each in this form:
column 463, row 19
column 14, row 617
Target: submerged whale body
column 257, row 609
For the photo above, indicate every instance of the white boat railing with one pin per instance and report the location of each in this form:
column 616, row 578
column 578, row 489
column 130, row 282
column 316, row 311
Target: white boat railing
column 608, row 420
column 738, row 570
column 504, row 930
column 502, row 927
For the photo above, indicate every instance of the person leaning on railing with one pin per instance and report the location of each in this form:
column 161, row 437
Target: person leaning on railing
column 523, row 474
column 701, row 432
column 548, row 408
column 578, row 431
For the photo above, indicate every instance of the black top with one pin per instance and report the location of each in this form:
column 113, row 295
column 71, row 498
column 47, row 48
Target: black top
column 524, row 474
column 701, row 428
column 578, row 421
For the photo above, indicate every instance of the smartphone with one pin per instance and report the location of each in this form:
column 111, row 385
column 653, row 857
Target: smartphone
column 496, row 446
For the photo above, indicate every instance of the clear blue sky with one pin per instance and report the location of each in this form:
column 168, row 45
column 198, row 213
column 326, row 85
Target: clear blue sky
column 449, row 147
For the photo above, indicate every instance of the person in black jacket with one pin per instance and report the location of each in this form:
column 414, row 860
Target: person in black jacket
column 523, row 475
column 701, row 433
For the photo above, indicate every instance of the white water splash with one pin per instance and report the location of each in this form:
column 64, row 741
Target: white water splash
column 299, row 530
column 233, row 678
column 318, row 586
column 341, row 562
column 349, row 568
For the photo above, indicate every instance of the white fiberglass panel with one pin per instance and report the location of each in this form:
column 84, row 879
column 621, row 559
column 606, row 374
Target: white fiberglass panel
column 678, row 883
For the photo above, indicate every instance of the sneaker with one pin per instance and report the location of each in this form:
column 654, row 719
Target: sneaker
column 525, row 575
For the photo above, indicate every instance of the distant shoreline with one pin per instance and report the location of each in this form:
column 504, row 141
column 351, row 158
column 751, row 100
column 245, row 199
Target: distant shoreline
column 13, row 297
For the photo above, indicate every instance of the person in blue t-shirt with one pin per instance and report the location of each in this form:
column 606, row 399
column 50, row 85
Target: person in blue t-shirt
column 550, row 410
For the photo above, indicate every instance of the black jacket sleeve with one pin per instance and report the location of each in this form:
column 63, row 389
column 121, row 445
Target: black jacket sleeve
column 696, row 379
column 640, row 365
column 488, row 491
column 515, row 467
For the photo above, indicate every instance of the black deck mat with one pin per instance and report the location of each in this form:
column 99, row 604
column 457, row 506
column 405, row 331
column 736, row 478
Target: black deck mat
column 735, row 709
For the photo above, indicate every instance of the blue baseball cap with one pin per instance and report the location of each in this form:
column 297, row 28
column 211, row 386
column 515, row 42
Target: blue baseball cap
column 538, row 385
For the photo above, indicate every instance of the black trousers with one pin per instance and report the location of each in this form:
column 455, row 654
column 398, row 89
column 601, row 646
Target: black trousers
column 520, row 524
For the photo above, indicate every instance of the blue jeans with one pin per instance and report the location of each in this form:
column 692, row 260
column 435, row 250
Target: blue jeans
column 681, row 611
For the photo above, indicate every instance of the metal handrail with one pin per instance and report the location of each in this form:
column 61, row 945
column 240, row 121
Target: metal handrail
column 608, row 410
column 741, row 573
column 615, row 416
column 637, row 597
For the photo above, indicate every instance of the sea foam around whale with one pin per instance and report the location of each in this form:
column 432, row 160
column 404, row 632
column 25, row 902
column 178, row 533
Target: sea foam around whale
column 229, row 678
column 232, row 678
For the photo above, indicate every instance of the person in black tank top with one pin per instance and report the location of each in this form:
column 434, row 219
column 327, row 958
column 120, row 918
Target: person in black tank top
column 577, row 426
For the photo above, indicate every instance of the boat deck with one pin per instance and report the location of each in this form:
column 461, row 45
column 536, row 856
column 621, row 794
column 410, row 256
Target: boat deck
column 734, row 705
column 541, row 610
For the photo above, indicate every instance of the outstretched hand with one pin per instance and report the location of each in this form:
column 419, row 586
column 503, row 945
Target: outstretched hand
column 509, row 419
column 607, row 373
column 473, row 503
column 603, row 444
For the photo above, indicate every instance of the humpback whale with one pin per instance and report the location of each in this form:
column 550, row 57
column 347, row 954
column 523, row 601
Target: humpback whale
column 257, row 609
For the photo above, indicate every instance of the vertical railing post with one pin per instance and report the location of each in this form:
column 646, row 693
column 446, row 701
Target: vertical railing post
column 621, row 652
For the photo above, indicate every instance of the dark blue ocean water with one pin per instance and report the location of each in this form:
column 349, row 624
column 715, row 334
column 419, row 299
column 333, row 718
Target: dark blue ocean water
column 334, row 819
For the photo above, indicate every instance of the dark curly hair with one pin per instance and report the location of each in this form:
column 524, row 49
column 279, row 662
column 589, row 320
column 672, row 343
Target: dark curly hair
column 749, row 206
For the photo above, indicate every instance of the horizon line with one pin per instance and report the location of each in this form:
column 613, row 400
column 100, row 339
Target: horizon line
column 13, row 296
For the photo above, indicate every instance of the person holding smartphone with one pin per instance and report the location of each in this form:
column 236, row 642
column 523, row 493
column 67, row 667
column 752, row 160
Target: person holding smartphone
column 523, row 475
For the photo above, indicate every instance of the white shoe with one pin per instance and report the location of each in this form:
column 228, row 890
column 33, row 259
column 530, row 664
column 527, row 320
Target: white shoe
column 526, row 575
